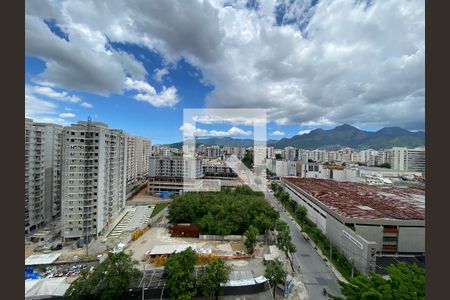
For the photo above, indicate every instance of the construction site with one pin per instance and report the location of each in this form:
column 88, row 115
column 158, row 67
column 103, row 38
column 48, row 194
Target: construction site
column 144, row 232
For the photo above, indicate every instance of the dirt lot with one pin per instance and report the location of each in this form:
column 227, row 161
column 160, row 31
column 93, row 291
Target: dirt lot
column 143, row 198
column 160, row 236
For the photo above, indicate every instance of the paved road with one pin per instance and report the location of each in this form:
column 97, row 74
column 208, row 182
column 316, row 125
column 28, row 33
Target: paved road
column 314, row 272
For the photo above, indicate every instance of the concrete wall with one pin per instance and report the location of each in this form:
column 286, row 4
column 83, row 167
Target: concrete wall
column 209, row 237
column 411, row 239
column 315, row 213
column 371, row 233
column 355, row 248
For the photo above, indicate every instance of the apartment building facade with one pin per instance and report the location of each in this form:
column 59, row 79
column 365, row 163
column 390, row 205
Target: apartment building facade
column 404, row 159
column 94, row 159
column 174, row 174
column 138, row 154
column 42, row 173
column 290, row 153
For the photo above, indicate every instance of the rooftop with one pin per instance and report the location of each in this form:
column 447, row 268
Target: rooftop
column 169, row 249
column 357, row 200
column 41, row 259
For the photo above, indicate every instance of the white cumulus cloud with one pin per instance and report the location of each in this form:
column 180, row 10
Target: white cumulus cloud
column 190, row 130
column 277, row 133
column 67, row 115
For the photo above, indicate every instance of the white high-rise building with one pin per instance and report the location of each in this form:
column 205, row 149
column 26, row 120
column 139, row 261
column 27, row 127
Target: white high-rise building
column 290, row 153
column 270, row 152
column 94, row 160
column 155, row 150
column 286, row 168
column 42, row 173
column 175, row 167
column 404, row 159
column 138, row 153
column 213, row 151
column 368, row 157
column 165, row 151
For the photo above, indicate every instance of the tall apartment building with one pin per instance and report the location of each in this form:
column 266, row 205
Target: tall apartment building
column 404, row 159
column 175, row 167
column 213, row 151
column 239, row 151
column 270, row 152
column 168, row 174
column 286, row 168
column 42, row 173
column 138, row 154
column 94, row 159
column 155, row 150
column 290, row 153
column 369, row 157
column 165, row 151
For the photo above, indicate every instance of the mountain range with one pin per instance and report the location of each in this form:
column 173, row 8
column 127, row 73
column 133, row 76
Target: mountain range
column 344, row 136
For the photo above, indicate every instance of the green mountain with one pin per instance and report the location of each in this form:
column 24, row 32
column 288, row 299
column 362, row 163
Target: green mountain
column 219, row 141
column 341, row 136
column 349, row 136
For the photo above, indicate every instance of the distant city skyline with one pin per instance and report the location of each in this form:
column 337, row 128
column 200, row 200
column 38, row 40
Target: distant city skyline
column 312, row 64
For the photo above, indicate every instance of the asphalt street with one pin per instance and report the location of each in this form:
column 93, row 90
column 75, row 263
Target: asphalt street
column 314, row 272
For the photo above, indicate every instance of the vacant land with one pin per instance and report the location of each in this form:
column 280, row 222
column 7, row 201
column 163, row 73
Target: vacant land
column 159, row 207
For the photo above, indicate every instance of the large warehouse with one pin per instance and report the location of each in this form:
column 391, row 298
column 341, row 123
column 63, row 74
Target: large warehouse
column 364, row 221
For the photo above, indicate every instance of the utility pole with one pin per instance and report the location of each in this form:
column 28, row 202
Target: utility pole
column 331, row 246
column 143, row 284
column 351, row 260
column 162, row 291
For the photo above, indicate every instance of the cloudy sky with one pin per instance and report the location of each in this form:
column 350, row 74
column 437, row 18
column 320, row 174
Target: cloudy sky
column 136, row 65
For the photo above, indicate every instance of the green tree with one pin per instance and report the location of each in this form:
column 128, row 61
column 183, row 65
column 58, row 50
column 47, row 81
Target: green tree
column 180, row 274
column 301, row 213
column 211, row 276
column 284, row 197
column 250, row 238
column 225, row 212
column 248, row 159
column 385, row 165
column 109, row 280
column 405, row 282
column 284, row 242
column 274, row 186
column 275, row 274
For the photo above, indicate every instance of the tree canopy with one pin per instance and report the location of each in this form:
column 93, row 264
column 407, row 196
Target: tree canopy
column 211, row 276
column 275, row 274
column 180, row 274
column 385, row 165
column 405, row 282
column 109, row 280
column 284, row 240
column 225, row 212
column 250, row 238
column 248, row 159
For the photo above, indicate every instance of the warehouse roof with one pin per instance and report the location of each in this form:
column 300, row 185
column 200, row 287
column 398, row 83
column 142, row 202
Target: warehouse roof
column 357, row 200
column 41, row 259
